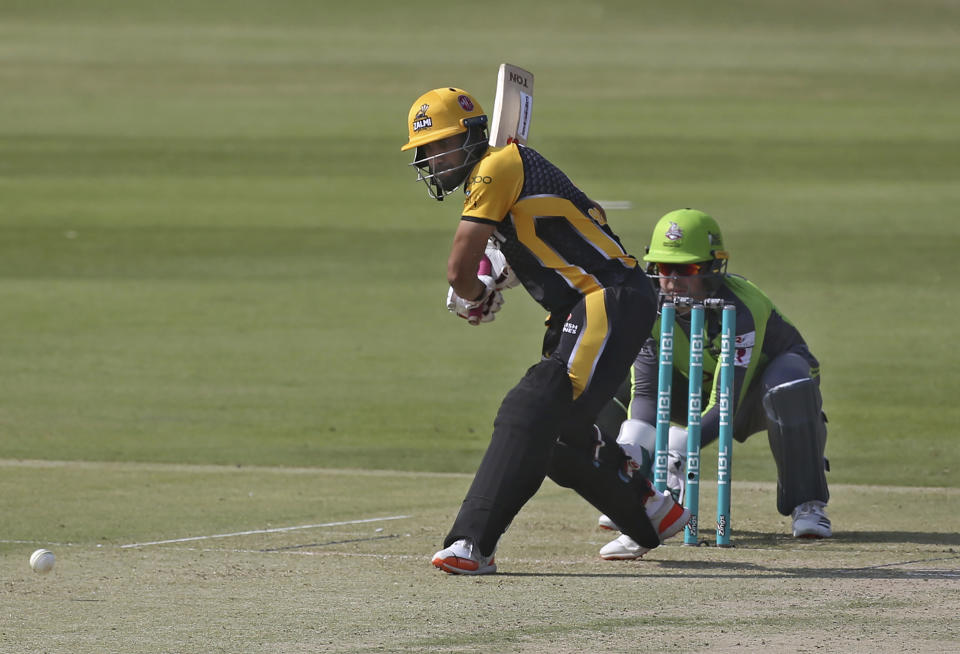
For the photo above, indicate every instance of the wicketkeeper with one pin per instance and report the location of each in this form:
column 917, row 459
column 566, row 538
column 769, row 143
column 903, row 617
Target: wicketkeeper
column 776, row 379
column 602, row 306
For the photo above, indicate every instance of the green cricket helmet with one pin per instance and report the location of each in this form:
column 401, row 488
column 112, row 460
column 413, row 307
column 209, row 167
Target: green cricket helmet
column 687, row 242
column 685, row 236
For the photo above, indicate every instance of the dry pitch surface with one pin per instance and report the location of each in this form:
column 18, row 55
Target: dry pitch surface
column 888, row 582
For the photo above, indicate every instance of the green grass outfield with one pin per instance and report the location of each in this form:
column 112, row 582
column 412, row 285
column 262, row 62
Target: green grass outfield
column 214, row 256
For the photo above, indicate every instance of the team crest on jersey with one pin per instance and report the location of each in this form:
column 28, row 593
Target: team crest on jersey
column 744, row 349
column 674, row 233
column 422, row 120
column 465, row 103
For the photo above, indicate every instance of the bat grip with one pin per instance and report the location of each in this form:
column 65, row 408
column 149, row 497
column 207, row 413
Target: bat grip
column 485, row 267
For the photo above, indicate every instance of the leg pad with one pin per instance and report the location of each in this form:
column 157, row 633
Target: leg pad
column 797, row 432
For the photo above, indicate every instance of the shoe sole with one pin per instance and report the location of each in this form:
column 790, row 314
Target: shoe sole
column 449, row 566
column 606, row 528
column 621, row 557
column 674, row 528
column 814, row 531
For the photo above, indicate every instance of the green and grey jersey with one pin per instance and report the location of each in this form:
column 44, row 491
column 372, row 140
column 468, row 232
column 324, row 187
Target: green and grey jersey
column 762, row 334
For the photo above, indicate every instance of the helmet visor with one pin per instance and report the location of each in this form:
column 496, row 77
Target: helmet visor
column 444, row 171
column 679, row 269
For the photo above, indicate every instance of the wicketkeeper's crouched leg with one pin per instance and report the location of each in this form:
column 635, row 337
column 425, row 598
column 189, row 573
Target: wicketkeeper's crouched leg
column 797, row 433
column 515, row 463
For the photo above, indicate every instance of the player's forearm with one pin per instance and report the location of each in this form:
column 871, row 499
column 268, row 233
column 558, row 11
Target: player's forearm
column 468, row 245
column 464, row 281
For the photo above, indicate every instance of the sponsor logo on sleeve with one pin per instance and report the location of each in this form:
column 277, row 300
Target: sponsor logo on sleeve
column 473, row 182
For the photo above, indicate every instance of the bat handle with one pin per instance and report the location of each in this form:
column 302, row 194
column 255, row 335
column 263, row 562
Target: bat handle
column 485, row 267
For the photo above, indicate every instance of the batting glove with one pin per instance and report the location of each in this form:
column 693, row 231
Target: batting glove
column 481, row 310
column 500, row 270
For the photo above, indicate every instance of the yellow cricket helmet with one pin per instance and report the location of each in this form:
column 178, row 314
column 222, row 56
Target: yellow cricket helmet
column 440, row 113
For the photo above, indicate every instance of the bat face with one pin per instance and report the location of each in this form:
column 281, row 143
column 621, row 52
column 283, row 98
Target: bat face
column 513, row 106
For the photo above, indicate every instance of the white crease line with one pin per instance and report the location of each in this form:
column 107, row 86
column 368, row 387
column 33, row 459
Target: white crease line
column 275, row 530
column 371, row 555
column 306, row 553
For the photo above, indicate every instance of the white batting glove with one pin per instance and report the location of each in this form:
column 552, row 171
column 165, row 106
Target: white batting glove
column 485, row 312
column 482, row 310
column 500, row 270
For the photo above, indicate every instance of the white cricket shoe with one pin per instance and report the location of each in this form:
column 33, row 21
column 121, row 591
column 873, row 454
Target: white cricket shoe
column 623, row 548
column 667, row 517
column 463, row 558
column 606, row 523
column 811, row 521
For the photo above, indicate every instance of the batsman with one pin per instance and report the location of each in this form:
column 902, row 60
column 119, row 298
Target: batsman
column 776, row 379
column 552, row 238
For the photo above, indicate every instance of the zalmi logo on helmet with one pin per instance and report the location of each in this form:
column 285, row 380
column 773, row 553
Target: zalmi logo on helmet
column 422, row 120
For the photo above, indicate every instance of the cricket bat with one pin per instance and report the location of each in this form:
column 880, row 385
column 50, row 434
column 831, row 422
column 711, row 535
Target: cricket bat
column 513, row 106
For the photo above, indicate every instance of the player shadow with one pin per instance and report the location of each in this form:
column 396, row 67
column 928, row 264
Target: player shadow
column 758, row 538
column 747, row 540
column 646, row 569
column 918, row 537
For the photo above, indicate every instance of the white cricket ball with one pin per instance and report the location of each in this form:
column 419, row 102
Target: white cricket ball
column 42, row 561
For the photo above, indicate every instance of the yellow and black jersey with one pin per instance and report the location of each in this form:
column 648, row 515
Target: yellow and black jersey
column 555, row 238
